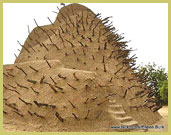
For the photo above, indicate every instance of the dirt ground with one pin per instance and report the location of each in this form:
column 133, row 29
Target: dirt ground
column 163, row 122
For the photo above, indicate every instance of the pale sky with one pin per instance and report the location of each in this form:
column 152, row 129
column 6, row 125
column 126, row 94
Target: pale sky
column 145, row 24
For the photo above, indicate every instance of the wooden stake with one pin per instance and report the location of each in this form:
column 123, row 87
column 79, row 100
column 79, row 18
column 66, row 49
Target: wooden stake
column 53, row 80
column 5, row 74
column 53, row 32
column 98, row 114
column 90, row 39
column 58, row 87
column 74, row 74
column 72, row 86
column 12, row 86
column 15, row 55
column 103, row 61
column 19, row 114
column 14, row 91
column 32, row 81
column 87, row 115
column 75, row 116
column 94, row 98
column 21, row 86
column 34, row 69
column 10, row 74
column 11, row 106
column 93, row 57
column 62, row 29
column 51, row 86
column 60, row 76
column 73, row 106
column 45, row 47
column 30, row 113
column 102, row 102
column 105, row 68
column 59, row 117
column 70, row 43
column 105, row 45
column 39, row 115
column 118, row 70
column 42, row 79
column 48, row 63
column 125, row 93
column 21, row 70
column 60, row 36
column 87, row 17
column 39, row 43
column 24, row 101
column 50, row 21
column 34, row 90
column 74, row 51
column 111, row 79
column 86, row 101
column 5, row 86
column 23, row 47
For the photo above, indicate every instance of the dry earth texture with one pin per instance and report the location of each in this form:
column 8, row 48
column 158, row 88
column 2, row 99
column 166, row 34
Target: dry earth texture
column 75, row 75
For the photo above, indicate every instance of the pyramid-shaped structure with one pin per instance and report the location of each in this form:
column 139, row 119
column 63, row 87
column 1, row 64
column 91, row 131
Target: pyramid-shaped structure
column 75, row 75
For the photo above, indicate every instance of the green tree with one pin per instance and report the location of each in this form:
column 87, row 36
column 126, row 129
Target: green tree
column 157, row 80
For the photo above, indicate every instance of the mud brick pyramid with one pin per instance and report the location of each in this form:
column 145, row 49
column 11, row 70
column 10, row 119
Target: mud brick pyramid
column 75, row 75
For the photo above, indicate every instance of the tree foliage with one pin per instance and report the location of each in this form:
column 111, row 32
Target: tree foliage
column 157, row 80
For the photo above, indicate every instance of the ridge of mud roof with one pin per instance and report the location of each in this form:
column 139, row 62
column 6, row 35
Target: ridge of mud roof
column 71, row 9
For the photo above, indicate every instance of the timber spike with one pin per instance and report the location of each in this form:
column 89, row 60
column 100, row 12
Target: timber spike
column 70, row 43
column 75, row 116
column 59, row 117
column 21, row 70
column 60, row 76
column 23, row 47
column 32, row 81
column 42, row 117
column 21, row 86
column 33, row 69
column 72, row 86
column 34, row 90
column 48, row 63
column 50, row 21
column 51, row 86
column 53, row 80
column 86, row 101
column 73, row 106
column 21, row 115
column 74, row 74
column 98, row 115
column 102, row 102
column 10, row 74
column 86, row 117
column 42, row 79
column 24, row 101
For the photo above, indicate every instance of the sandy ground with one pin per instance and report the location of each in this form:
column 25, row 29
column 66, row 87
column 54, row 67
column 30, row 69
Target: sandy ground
column 162, row 122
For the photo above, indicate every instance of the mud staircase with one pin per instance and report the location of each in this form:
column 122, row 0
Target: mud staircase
column 117, row 112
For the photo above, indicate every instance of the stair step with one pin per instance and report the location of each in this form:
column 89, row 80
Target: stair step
column 112, row 102
column 116, row 112
column 116, row 107
column 121, row 113
column 124, row 119
column 130, row 123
